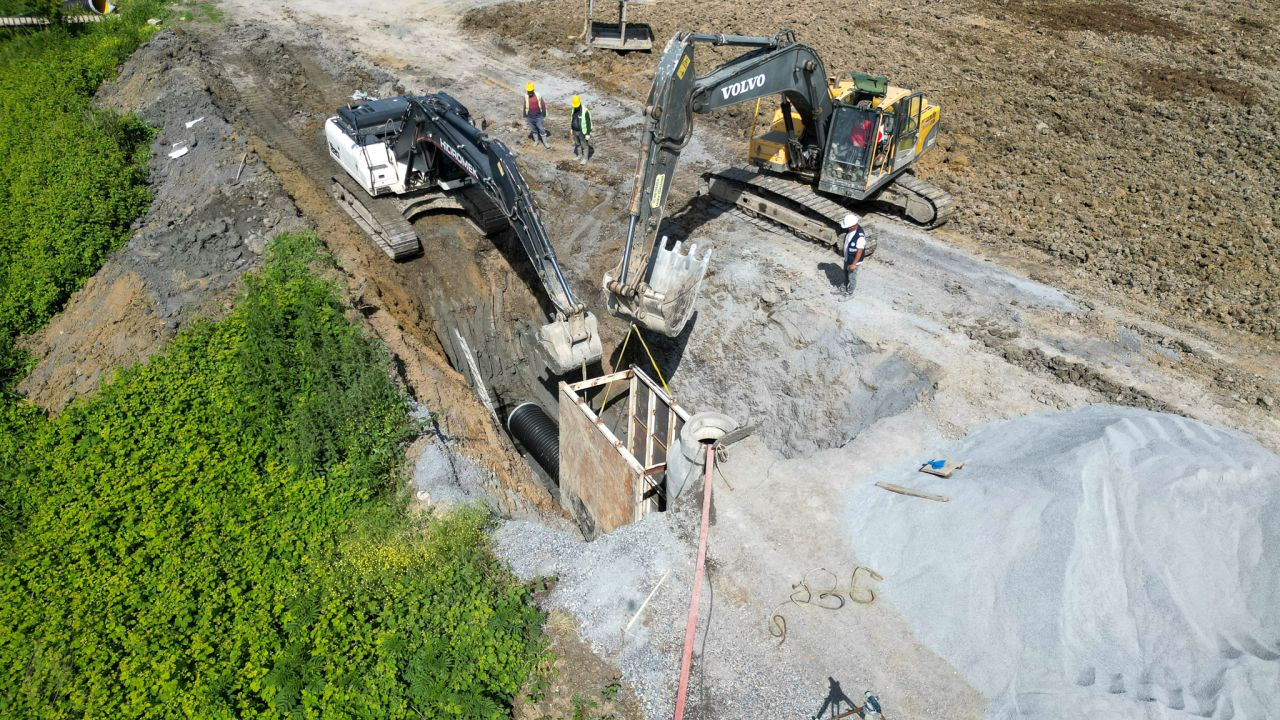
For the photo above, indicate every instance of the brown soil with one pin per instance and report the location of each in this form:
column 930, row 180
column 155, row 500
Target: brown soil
column 579, row 684
column 1131, row 143
column 107, row 325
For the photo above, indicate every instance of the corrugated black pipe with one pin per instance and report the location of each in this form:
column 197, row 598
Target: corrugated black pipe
column 97, row 7
column 539, row 435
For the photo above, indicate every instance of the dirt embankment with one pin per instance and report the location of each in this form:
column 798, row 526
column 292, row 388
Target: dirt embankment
column 423, row 310
column 1130, row 143
column 213, row 209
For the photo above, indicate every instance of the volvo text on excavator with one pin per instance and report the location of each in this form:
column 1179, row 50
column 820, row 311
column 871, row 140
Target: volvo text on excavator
column 833, row 142
column 426, row 155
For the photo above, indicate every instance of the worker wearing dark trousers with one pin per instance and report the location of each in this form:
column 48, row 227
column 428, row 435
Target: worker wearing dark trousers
column 855, row 245
column 580, row 127
column 535, row 113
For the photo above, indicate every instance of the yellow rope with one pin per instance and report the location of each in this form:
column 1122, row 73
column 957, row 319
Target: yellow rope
column 755, row 119
column 652, row 362
column 604, row 397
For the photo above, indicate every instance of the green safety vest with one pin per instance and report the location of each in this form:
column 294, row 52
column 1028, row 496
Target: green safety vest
column 586, row 119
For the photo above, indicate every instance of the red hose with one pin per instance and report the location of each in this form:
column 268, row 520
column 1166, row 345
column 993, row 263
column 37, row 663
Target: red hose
column 691, row 628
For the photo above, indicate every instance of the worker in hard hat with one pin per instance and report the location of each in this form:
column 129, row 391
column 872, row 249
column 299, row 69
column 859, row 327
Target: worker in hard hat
column 855, row 246
column 535, row 112
column 580, row 129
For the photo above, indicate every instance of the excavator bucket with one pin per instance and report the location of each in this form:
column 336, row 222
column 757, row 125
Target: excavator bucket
column 621, row 36
column 569, row 343
column 665, row 302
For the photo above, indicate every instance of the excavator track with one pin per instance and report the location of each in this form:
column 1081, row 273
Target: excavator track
column 389, row 229
column 920, row 201
column 482, row 212
column 793, row 205
column 788, row 204
column 380, row 218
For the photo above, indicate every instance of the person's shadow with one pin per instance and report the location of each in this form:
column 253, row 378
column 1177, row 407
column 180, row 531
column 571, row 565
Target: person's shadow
column 834, row 701
column 834, row 273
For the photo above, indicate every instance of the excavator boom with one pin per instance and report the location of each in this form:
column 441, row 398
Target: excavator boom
column 657, row 286
column 427, row 129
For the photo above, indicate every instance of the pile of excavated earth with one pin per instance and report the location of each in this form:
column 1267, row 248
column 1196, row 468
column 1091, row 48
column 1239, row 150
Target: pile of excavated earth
column 1093, row 336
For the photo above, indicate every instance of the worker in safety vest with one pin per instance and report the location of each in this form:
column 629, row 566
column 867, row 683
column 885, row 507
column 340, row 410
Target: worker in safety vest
column 580, row 129
column 535, row 112
column 855, row 246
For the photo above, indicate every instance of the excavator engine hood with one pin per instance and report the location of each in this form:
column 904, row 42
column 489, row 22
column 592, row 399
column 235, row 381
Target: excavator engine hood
column 568, row 344
column 664, row 303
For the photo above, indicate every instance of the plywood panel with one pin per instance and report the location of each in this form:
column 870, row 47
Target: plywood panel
column 597, row 483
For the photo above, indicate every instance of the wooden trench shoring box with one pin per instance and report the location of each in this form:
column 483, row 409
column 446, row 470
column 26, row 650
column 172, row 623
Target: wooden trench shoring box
column 614, row 435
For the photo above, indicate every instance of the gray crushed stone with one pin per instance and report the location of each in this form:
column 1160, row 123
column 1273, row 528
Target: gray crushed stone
column 604, row 584
column 1100, row 562
column 443, row 477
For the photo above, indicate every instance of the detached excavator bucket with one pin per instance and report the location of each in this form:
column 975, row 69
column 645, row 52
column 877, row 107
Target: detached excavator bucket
column 665, row 302
column 570, row 343
column 621, row 36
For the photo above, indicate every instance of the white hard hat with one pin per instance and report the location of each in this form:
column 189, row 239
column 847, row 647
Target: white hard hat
column 849, row 221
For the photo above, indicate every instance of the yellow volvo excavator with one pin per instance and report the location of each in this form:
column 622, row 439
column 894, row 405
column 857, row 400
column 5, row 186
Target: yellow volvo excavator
column 831, row 144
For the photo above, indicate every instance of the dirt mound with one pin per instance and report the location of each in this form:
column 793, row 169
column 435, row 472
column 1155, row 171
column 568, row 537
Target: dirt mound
column 209, row 220
column 1132, row 143
column 1131, row 575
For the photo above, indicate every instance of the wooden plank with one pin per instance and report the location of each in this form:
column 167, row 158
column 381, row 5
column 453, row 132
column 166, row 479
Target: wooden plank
column 597, row 382
column 908, row 491
column 631, row 417
column 648, row 436
column 667, row 399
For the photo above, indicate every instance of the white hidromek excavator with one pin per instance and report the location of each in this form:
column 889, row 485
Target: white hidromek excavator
column 414, row 155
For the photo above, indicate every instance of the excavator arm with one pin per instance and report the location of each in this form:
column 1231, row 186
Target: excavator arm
column 657, row 286
column 441, row 122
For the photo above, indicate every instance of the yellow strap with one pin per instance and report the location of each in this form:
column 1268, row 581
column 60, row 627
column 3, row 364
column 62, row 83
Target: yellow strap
column 651, row 360
column 622, row 356
column 604, row 397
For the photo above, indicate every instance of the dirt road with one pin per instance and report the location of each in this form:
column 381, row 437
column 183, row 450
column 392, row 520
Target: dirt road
column 939, row 340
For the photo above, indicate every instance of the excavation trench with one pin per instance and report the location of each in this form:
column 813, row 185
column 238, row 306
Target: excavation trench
column 802, row 376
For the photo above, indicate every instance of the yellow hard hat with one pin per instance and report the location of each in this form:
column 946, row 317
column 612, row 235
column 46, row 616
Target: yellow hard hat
column 576, row 101
column 528, row 87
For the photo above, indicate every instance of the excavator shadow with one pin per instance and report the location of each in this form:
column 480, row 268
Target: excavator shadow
column 668, row 352
column 688, row 220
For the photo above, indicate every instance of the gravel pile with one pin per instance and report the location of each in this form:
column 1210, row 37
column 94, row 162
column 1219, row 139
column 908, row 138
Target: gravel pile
column 604, row 584
column 1100, row 562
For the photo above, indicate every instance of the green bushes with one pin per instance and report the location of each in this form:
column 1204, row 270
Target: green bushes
column 72, row 179
column 211, row 536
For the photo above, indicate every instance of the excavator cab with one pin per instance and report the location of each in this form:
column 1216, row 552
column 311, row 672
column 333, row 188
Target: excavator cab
column 847, row 162
column 876, row 131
